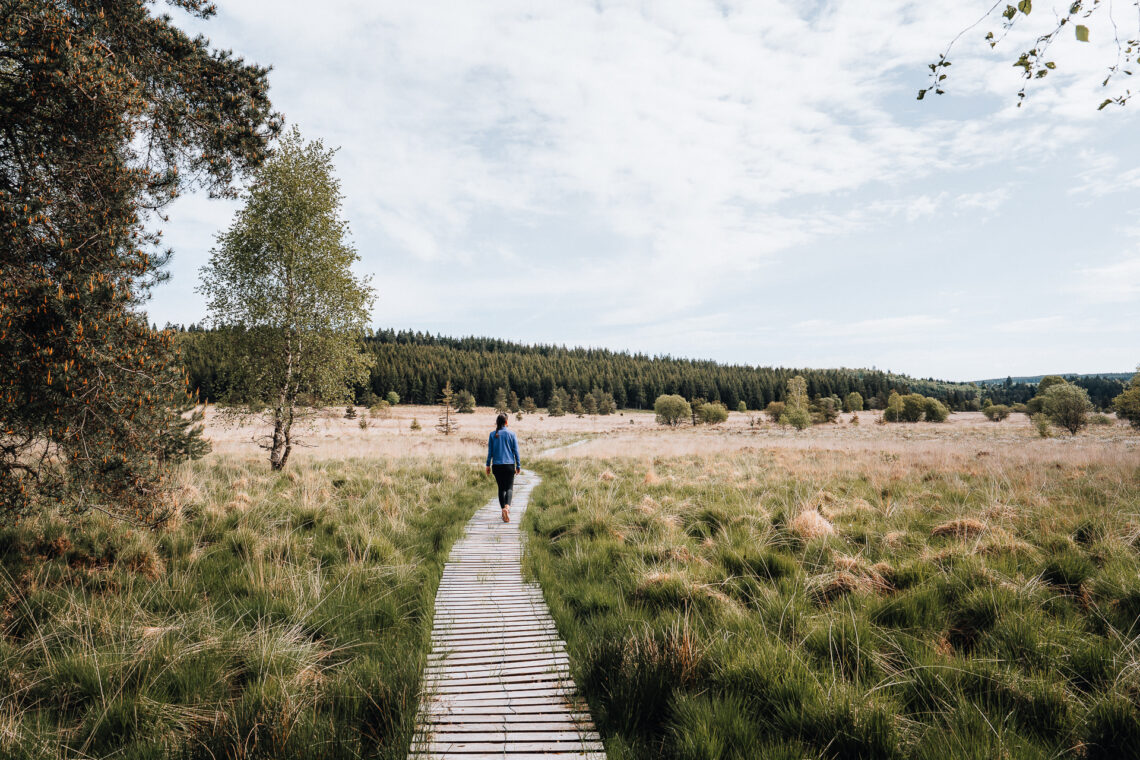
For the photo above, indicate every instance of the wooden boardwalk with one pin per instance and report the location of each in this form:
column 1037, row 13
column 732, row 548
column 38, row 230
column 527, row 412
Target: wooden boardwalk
column 497, row 683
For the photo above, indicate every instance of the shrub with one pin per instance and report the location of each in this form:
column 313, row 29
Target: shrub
column 825, row 410
column 379, row 409
column 393, row 398
column 350, row 412
column 935, row 410
column 1041, row 422
column 774, row 410
column 416, row 424
column 853, row 402
column 1019, row 408
column 913, row 407
column 996, row 412
column 741, row 406
column 671, row 409
column 713, row 413
column 893, row 411
column 1067, row 406
column 363, row 423
column 464, row 402
column 1100, row 420
column 797, row 418
column 1127, row 404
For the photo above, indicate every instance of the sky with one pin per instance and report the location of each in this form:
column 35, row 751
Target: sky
column 748, row 182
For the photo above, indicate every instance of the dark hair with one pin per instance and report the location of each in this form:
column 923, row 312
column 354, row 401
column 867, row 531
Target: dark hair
column 500, row 423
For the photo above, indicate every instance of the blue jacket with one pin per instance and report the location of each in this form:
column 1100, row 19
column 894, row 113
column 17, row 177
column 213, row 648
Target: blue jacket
column 503, row 448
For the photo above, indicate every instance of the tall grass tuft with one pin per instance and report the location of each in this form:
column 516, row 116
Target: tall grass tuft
column 848, row 605
column 278, row 616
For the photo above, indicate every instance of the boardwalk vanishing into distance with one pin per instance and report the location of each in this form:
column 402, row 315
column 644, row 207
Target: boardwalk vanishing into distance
column 497, row 682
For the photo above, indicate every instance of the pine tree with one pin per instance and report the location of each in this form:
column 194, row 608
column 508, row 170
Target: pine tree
column 556, row 406
column 590, row 404
column 513, row 402
column 528, row 405
column 501, row 401
column 447, row 424
column 108, row 113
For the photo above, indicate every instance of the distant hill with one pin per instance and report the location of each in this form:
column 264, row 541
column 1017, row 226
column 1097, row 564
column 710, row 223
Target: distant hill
column 1034, row 379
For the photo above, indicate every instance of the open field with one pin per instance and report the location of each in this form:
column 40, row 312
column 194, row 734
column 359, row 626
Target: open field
column 277, row 615
column 965, row 590
column 958, row 590
column 328, row 435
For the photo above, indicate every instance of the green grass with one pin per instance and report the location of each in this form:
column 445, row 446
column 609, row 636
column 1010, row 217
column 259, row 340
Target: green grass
column 283, row 615
column 960, row 609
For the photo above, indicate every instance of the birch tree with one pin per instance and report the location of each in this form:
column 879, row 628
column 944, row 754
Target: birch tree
column 280, row 280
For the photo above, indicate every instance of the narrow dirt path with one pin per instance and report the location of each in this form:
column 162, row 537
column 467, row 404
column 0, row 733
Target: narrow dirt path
column 497, row 682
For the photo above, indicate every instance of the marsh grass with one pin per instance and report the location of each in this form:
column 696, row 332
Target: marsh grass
column 277, row 615
column 956, row 606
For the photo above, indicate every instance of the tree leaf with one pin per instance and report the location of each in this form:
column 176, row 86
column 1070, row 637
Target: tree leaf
column 1082, row 33
column 1025, row 6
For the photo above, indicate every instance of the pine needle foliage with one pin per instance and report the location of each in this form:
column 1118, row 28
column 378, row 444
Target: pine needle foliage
column 107, row 113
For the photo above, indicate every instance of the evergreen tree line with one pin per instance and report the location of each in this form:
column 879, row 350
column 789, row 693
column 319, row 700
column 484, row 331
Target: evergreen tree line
column 1101, row 390
column 417, row 366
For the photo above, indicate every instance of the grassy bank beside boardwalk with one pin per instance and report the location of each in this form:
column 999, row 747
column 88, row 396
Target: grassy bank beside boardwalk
column 278, row 615
column 846, row 604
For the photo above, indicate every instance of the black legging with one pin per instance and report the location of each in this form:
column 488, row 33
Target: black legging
column 505, row 477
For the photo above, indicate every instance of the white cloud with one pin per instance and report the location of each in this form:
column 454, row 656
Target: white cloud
column 625, row 161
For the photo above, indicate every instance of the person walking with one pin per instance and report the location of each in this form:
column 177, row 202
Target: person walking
column 503, row 461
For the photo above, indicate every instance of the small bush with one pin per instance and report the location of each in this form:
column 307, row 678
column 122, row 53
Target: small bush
column 797, row 417
column 713, row 413
column 741, row 407
column 1067, row 406
column 465, row 402
column 416, row 424
column 1100, row 420
column 1127, row 404
column 824, row 410
column 671, row 409
column 392, row 398
column 853, row 402
column 935, row 410
column 996, row 412
column 1041, row 423
column 774, row 410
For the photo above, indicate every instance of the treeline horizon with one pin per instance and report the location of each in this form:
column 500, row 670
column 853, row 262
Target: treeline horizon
column 416, row 365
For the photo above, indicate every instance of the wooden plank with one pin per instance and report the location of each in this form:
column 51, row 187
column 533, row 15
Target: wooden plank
column 452, row 748
column 511, row 756
column 541, row 723
column 497, row 683
column 466, row 737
